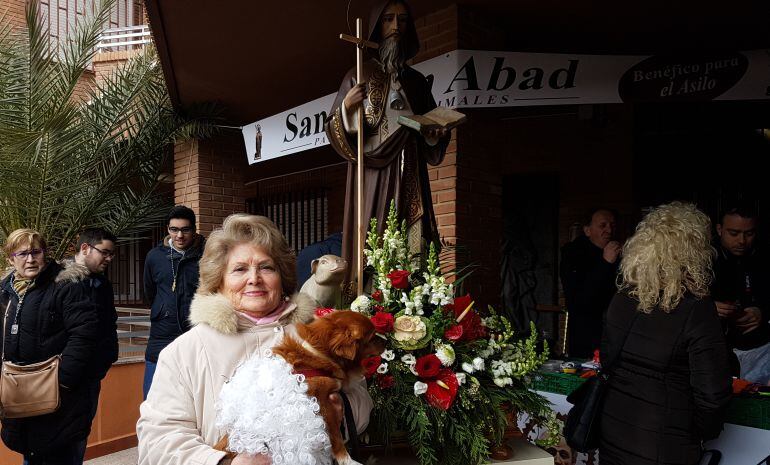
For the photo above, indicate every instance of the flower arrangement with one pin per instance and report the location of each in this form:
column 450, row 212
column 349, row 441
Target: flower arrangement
column 448, row 373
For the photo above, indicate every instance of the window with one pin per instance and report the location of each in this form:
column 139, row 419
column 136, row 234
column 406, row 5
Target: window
column 300, row 215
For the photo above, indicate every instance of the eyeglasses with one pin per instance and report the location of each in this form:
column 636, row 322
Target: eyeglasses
column 186, row 230
column 26, row 253
column 106, row 253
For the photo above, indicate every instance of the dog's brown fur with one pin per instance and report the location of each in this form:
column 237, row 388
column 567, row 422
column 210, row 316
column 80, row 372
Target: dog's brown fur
column 343, row 339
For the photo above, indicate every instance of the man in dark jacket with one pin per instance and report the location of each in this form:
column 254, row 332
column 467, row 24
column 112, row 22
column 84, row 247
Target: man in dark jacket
column 170, row 281
column 95, row 250
column 740, row 287
column 589, row 266
column 46, row 313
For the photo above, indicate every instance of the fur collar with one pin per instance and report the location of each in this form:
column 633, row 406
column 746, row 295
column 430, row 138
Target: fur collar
column 72, row 272
column 216, row 311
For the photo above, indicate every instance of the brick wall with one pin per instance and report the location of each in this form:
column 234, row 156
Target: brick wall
column 12, row 12
column 106, row 62
column 208, row 177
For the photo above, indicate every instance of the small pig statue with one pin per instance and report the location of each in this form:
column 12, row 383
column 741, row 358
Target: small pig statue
column 323, row 286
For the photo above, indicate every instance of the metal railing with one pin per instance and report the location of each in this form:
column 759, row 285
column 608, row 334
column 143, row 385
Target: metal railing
column 133, row 331
column 124, row 38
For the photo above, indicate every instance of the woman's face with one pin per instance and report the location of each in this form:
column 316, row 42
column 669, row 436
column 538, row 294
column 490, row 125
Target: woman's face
column 28, row 261
column 252, row 281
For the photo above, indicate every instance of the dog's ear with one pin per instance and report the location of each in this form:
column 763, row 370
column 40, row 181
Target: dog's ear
column 344, row 345
column 313, row 266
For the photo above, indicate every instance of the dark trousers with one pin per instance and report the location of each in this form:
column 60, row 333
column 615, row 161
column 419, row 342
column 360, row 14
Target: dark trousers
column 149, row 372
column 71, row 455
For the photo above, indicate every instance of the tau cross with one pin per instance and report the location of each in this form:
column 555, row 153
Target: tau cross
column 361, row 43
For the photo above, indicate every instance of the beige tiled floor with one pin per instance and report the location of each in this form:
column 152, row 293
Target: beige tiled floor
column 124, row 457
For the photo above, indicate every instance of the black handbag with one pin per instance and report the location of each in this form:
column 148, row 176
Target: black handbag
column 581, row 430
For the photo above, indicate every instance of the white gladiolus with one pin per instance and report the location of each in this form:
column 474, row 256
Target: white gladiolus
column 382, row 369
column 468, row 368
column 388, row 355
column 478, row 363
column 460, row 378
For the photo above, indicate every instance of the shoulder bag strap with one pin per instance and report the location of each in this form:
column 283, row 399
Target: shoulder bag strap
column 5, row 320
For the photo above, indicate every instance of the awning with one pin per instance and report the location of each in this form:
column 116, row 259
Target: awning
column 259, row 58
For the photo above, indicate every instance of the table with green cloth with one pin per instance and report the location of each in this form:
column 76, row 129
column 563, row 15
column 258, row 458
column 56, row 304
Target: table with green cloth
column 745, row 439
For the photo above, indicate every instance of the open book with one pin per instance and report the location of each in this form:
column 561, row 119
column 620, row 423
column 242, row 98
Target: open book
column 439, row 117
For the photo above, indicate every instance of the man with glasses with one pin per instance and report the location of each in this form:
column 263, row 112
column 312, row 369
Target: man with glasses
column 95, row 251
column 170, row 281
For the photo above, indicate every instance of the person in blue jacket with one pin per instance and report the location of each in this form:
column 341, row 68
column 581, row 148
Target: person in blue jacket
column 170, row 281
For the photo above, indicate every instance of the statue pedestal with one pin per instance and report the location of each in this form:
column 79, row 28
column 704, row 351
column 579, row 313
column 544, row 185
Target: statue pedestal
column 524, row 453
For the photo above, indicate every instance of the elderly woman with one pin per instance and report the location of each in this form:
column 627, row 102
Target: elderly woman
column 47, row 313
column 670, row 381
column 241, row 309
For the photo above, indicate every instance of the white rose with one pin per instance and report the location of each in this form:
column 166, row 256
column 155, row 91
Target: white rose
column 388, row 355
column 420, row 388
column 382, row 369
column 478, row 363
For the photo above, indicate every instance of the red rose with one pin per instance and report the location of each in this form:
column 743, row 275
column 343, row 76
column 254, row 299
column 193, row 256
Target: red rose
column 321, row 312
column 442, row 395
column 399, row 279
column 454, row 333
column 378, row 308
column 428, row 366
column 370, row 365
column 385, row 381
column 383, row 322
column 377, row 295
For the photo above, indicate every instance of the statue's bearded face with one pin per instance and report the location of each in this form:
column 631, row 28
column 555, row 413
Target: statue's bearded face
column 393, row 28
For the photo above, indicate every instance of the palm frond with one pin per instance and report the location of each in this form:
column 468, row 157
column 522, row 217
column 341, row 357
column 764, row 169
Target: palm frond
column 65, row 163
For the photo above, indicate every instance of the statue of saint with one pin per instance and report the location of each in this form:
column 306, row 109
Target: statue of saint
column 395, row 158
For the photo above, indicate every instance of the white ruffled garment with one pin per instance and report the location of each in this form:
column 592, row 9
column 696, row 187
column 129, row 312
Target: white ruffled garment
column 265, row 409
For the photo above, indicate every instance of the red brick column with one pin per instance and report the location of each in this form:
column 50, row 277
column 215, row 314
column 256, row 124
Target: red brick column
column 208, row 177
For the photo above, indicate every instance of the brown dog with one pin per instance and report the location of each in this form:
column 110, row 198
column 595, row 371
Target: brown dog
column 328, row 352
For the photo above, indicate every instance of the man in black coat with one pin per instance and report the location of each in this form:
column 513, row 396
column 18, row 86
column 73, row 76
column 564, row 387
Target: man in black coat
column 95, row 250
column 589, row 266
column 47, row 313
column 170, row 281
column 740, row 288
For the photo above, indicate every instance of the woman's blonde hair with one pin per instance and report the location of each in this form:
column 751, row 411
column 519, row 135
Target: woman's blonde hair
column 669, row 254
column 23, row 237
column 242, row 228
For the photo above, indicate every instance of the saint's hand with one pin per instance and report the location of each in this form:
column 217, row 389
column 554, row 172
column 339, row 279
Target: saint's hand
column 749, row 320
column 611, row 251
column 435, row 133
column 259, row 459
column 726, row 309
column 354, row 97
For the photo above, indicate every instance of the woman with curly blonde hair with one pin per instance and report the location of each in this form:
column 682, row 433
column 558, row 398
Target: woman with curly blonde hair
column 664, row 345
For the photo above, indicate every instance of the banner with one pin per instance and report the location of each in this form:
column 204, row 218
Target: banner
column 478, row 79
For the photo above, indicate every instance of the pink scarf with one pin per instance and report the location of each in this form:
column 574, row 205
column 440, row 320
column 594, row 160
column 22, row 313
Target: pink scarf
column 270, row 317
